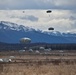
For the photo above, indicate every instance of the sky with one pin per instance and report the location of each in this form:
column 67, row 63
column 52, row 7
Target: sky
column 32, row 13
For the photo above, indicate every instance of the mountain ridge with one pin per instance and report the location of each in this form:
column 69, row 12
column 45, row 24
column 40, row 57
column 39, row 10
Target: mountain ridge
column 11, row 33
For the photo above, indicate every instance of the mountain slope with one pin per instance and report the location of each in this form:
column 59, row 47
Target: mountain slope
column 11, row 33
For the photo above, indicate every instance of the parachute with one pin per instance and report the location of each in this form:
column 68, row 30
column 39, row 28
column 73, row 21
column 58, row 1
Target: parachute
column 48, row 11
column 23, row 11
column 25, row 40
column 51, row 28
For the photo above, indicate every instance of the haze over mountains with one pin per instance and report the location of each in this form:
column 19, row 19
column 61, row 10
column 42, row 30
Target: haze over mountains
column 12, row 33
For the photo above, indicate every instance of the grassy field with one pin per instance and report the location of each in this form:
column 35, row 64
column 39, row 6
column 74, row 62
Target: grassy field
column 37, row 69
column 38, row 64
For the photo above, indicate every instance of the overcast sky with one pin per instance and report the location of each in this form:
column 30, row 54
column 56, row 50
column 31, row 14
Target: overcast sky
column 37, row 4
column 62, row 18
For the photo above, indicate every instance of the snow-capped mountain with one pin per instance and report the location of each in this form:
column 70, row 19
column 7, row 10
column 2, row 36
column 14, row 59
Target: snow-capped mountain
column 11, row 33
column 12, row 26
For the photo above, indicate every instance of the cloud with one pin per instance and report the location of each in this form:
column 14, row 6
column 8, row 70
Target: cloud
column 30, row 17
column 61, row 20
column 38, row 4
column 72, row 18
column 66, row 4
column 73, row 24
column 26, row 17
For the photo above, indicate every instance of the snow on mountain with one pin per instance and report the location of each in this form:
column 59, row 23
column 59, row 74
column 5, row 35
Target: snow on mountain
column 11, row 33
column 55, row 33
column 13, row 26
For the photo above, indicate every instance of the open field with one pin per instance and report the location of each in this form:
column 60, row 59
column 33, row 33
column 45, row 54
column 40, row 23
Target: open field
column 48, row 69
column 53, row 63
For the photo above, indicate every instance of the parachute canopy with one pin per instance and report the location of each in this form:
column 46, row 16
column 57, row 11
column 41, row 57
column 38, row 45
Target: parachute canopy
column 48, row 11
column 25, row 40
column 51, row 28
column 23, row 11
